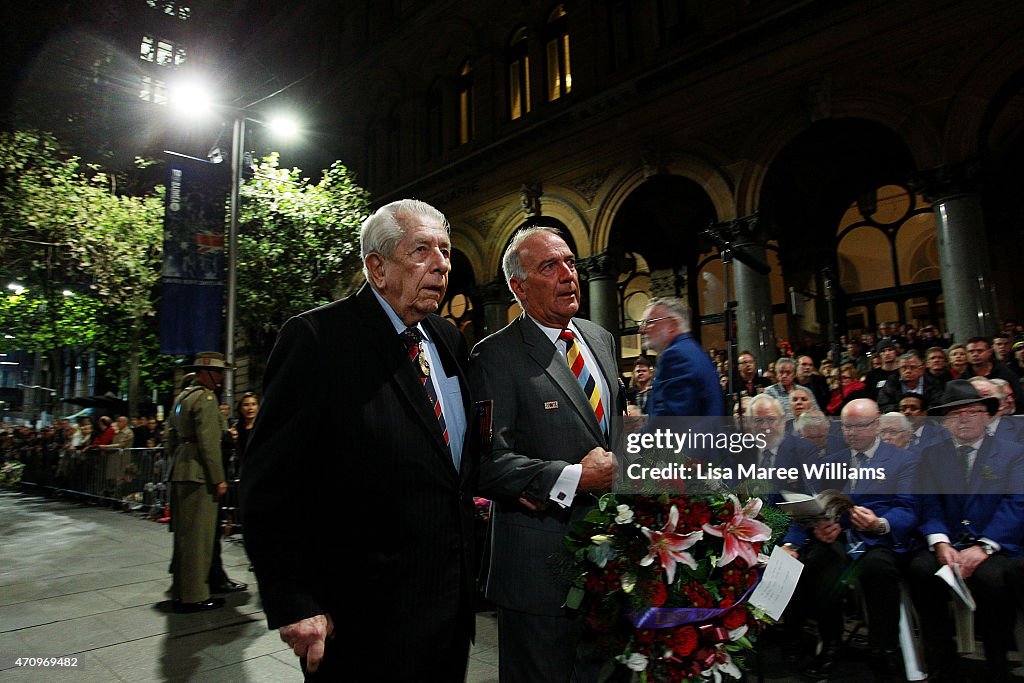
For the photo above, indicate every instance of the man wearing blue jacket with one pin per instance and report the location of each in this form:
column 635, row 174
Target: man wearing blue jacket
column 972, row 517
column 685, row 383
column 875, row 534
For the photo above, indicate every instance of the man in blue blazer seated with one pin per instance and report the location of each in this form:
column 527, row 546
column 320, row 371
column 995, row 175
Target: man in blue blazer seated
column 686, row 382
column 875, row 534
column 972, row 517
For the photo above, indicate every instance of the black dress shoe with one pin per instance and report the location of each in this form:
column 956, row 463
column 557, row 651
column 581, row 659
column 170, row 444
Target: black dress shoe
column 202, row 606
column 229, row 586
column 824, row 663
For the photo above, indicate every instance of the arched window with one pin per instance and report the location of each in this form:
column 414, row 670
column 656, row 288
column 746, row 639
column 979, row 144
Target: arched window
column 464, row 87
column 435, row 134
column 888, row 259
column 556, row 50
column 518, row 75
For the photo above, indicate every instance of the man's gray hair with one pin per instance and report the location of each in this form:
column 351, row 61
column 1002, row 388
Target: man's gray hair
column 765, row 398
column 383, row 229
column 812, row 418
column 676, row 308
column 910, row 355
column 898, row 420
column 511, row 260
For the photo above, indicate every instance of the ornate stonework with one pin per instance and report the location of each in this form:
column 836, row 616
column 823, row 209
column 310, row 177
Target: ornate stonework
column 483, row 222
column 587, row 186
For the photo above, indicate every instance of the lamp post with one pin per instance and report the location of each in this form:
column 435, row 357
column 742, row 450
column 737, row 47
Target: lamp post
column 193, row 98
column 237, row 152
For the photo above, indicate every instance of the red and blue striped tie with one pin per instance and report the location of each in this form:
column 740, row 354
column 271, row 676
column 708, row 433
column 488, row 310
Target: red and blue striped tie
column 584, row 377
column 412, row 339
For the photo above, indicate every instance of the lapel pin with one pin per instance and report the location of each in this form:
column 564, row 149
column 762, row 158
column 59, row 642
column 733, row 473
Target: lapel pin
column 550, row 405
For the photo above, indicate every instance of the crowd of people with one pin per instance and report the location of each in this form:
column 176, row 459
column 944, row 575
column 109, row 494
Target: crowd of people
column 526, row 420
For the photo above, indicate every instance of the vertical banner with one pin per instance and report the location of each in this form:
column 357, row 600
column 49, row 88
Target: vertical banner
column 192, row 289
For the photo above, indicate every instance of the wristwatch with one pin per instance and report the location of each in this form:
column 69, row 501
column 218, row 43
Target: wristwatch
column 987, row 547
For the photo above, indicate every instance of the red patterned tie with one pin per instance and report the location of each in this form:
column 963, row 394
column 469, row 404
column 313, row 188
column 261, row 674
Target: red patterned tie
column 413, row 339
column 583, row 376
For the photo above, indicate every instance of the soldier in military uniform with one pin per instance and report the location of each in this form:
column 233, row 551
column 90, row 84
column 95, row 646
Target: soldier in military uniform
column 197, row 481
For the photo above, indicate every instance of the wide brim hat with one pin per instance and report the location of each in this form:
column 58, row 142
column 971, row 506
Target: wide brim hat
column 960, row 392
column 210, row 360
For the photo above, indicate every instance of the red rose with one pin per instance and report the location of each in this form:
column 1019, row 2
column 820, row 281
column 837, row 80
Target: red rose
column 657, row 594
column 684, row 641
column 735, row 618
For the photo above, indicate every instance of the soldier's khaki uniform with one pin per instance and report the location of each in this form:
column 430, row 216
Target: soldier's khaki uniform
column 194, row 442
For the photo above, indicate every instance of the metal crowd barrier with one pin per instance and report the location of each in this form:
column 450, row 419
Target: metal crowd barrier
column 132, row 477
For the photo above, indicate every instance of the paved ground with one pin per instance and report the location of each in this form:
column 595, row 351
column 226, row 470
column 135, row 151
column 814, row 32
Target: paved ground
column 89, row 582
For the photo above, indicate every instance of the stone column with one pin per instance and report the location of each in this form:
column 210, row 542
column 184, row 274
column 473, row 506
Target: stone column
column 750, row 289
column 496, row 299
column 602, row 272
column 755, row 331
column 963, row 250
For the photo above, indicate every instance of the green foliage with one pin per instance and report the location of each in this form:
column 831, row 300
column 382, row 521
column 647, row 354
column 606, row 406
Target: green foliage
column 64, row 227
column 298, row 245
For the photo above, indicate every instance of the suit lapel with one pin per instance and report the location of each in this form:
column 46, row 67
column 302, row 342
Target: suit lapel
column 400, row 370
column 546, row 355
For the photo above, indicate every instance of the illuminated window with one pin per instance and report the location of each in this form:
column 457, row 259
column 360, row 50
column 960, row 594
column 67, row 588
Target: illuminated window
column 153, row 90
column 556, row 50
column 465, row 91
column 519, row 75
column 160, row 51
column 171, row 8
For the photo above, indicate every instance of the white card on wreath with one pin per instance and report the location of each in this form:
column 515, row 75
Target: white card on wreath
column 777, row 584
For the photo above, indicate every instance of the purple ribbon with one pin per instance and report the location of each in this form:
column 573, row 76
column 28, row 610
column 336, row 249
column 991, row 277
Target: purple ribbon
column 669, row 617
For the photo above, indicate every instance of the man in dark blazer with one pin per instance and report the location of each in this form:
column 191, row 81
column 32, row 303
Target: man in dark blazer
column 972, row 516
column 549, row 454
column 912, row 378
column 370, row 520
column 876, row 534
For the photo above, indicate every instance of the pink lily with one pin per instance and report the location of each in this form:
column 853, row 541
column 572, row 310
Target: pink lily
column 741, row 532
column 670, row 547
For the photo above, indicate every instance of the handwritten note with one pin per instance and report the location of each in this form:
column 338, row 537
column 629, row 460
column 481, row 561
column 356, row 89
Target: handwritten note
column 777, row 583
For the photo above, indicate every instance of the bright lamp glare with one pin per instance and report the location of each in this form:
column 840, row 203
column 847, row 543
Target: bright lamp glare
column 284, row 126
column 192, row 98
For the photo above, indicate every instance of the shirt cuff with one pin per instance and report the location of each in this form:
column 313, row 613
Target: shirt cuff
column 932, row 539
column 995, row 546
column 564, row 490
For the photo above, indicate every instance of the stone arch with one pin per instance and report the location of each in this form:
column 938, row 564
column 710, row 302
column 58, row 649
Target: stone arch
column 710, row 177
column 765, row 142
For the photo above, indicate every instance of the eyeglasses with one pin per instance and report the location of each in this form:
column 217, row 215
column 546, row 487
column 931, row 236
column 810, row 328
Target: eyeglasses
column 650, row 321
column 849, row 427
column 968, row 412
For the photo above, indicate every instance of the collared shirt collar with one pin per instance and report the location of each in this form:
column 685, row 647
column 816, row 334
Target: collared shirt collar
column 400, row 326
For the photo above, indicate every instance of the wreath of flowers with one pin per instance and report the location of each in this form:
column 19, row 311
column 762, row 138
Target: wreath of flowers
column 662, row 582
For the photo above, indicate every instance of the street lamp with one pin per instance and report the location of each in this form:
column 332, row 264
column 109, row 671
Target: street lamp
column 193, row 98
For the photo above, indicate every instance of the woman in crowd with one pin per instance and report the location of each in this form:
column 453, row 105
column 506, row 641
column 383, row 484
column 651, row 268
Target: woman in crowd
column 247, row 408
column 957, row 359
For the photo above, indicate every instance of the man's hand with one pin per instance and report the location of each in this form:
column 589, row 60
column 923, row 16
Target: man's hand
column 598, row 470
column 970, row 559
column 307, row 637
column 946, row 554
column 863, row 519
column 826, row 532
column 222, row 488
column 792, row 550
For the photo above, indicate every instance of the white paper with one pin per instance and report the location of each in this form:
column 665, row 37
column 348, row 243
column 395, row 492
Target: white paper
column 952, row 576
column 777, row 583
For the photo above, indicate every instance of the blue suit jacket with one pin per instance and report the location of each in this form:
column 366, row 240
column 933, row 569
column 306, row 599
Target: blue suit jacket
column 899, row 509
column 990, row 504
column 685, row 383
column 792, row 451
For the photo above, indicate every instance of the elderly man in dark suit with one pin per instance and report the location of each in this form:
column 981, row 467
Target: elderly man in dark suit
column 370, row 521
column 972, row 516
column 552, row 382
